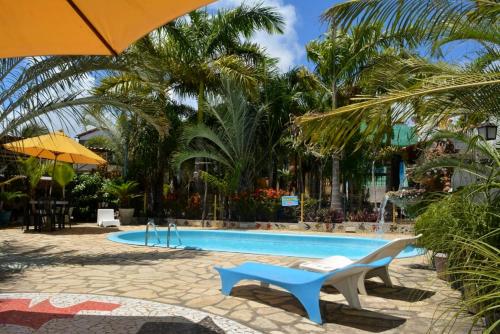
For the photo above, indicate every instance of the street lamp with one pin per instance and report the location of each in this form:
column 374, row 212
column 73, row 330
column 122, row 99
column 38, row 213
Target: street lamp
column 488, row 130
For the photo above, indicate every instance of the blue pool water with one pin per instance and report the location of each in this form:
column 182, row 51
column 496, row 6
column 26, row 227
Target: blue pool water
column 299, row 245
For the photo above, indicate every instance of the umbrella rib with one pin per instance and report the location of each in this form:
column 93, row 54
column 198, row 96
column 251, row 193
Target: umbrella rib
column 92, row 27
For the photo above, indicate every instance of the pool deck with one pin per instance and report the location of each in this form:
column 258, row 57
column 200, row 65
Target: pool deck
column 169, row 282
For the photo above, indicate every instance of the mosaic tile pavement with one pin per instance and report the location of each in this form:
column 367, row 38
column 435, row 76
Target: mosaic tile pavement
column 23, row 313
column 82, row 261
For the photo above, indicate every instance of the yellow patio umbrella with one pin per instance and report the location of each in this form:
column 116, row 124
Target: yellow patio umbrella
column 82, row 27
column 56, row 146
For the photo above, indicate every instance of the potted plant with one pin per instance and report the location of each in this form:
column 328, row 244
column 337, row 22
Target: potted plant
column 7, row 197
column 124, row 193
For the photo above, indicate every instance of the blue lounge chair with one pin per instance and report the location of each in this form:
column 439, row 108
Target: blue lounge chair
column 304, row 285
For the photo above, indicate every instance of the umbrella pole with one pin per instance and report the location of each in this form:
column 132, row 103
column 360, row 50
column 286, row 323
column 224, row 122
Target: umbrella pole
column 52, row 177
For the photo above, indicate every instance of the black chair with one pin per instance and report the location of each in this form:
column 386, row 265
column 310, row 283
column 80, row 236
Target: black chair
column 45, row 213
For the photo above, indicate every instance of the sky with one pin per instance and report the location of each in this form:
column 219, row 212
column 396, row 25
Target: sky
column 303, row 24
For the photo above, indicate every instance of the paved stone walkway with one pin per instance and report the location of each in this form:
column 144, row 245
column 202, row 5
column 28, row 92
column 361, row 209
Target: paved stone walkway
column 82, row 261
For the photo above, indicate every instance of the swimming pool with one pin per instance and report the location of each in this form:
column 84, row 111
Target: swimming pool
column 299, row 245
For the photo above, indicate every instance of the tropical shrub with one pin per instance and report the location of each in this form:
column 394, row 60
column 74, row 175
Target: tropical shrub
column 465, row 226
column 267, row 203
column 63, row 174
column 453, row 216
column 86, row 195
column 33, row 169
column 313, row 213
column 7, row 197
column 124, row 192
column 364, row 215
column 242, row 206
column 475, row 266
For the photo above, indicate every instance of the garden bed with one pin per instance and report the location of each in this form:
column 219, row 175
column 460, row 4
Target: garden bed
column 355, row 227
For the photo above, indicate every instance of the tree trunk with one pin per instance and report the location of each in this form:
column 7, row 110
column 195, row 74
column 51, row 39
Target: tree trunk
column 270, row 172
column 300, row 177
column 336, row 197
column 157, row 183
column 320, row 184
column 204, row 204
column 201, row 101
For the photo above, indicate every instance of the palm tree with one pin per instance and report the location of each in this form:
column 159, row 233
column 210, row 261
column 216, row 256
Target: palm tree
column 63, row 174
column 282, row 96
column 33, row 130
column 203, row 49
column 340, row 59
column 428, row 92
column 230, row 142
column 182, row 57
column 123, row 191
column 33, row 169
column 33, row 87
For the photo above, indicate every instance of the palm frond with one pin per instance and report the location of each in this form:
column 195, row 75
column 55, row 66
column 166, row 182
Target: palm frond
column 336, row 127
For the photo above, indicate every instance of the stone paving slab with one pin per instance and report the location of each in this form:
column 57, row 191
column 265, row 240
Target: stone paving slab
column 82, row 261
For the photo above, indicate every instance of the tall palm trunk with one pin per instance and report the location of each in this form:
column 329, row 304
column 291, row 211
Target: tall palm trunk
column 157, row 183
column 335, row 199
column 201, row 101
column 198, row 161
column 320, row 184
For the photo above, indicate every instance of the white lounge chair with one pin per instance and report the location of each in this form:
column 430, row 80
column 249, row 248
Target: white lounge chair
column 106, row 218
column 391, row 249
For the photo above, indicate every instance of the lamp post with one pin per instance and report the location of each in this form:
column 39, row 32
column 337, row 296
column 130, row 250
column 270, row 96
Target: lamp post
column 488, row 131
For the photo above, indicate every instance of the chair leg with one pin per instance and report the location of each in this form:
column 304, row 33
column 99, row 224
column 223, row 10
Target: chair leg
column 264, row 284
column 228, row 280
column 383, row 273
column 310, row 300
column 361, row 285
column 348, row 287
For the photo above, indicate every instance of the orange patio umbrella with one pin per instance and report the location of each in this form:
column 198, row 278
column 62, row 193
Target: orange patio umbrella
column 56, row 146
column 82, row 27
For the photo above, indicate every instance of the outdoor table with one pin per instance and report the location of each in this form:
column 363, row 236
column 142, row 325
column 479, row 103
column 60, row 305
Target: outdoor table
column 46, row 212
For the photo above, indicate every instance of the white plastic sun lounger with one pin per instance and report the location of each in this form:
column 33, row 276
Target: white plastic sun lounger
column 106, row 218
column 391, row 249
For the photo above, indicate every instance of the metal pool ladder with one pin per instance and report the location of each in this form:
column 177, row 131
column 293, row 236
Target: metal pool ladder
column 153, row 225
column 172, row 225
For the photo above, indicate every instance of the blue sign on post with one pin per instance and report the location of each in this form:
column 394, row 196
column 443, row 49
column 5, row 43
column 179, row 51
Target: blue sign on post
column 289, row 201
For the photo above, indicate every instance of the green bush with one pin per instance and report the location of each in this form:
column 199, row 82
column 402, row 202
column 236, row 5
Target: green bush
column 466, row 227
column 86, row 195
column 452, row 216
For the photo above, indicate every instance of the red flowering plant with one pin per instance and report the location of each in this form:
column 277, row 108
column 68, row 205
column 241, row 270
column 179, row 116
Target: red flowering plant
column 243, row 206
column 261, row 205
column 267, row 203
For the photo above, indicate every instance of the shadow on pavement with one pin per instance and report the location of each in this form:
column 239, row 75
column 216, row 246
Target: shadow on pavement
column 16, row 257
column 402, row 293
column 331, row 312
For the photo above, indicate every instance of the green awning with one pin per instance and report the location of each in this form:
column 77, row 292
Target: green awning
column 403, row 135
